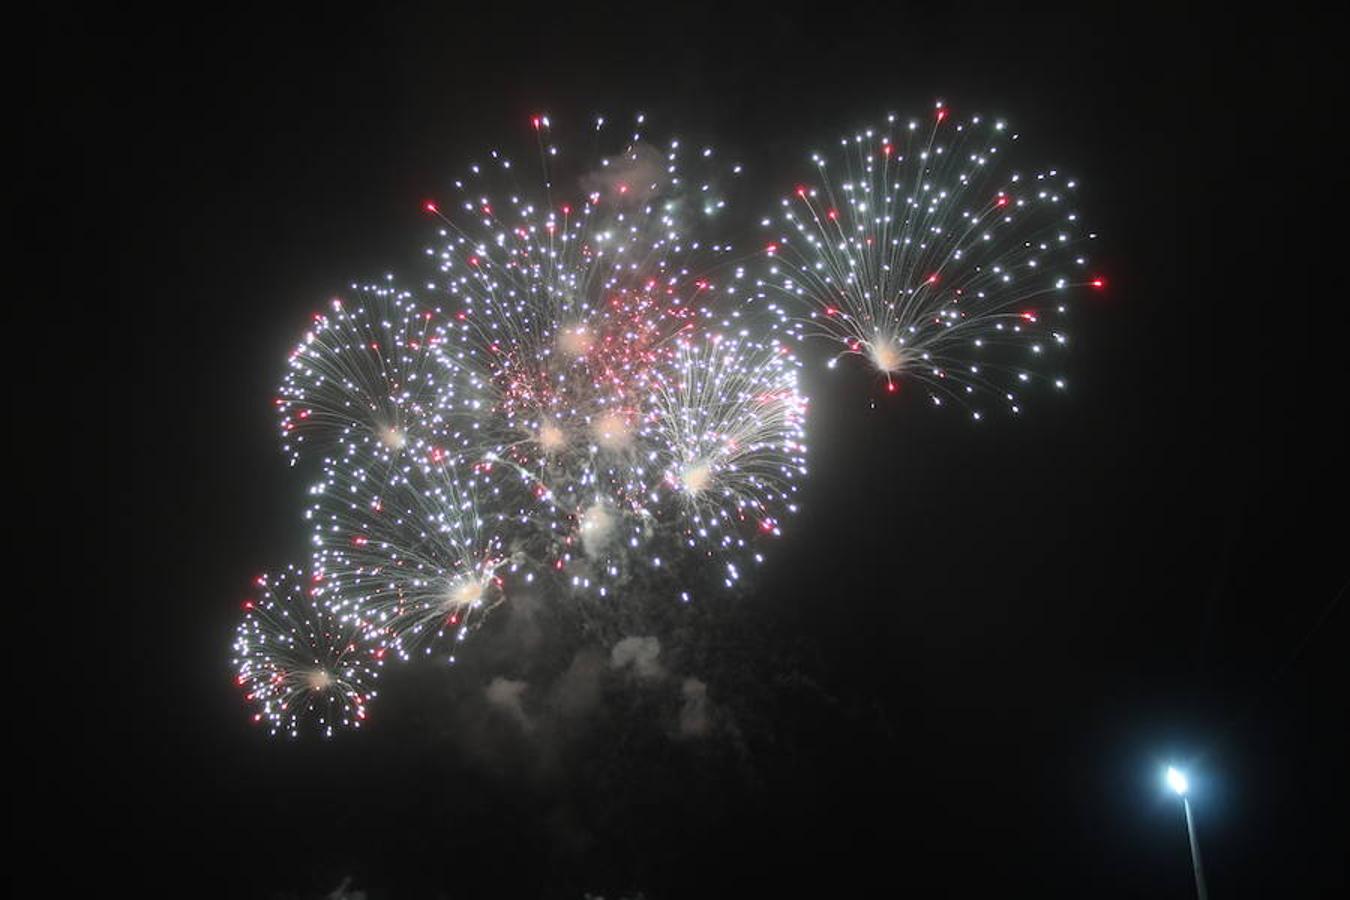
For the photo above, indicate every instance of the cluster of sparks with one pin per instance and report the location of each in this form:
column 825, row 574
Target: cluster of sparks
column 597, row 393
column 300, row 664
column 916, row 248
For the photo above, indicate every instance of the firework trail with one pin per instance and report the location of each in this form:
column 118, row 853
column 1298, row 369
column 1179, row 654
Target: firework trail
column 921, row 249
column 300, row 666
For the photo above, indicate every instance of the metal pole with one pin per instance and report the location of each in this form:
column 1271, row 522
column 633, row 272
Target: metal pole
column 1195, row 851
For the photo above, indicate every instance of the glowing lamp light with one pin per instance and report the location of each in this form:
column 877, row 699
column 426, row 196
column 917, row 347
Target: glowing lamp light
column 1176, row 780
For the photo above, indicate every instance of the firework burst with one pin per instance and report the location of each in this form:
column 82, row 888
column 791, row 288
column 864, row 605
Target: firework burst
column 591, row 391
column 728, row 432
column 571, row 299
column 299, row 665
column 365, row 374
column 407, row 556
column 921, row 249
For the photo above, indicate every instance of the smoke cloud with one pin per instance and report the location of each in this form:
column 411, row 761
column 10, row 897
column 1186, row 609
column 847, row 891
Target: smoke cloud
column 695, row 714
column 632, row 176
column 639, row 653
column 505, row 694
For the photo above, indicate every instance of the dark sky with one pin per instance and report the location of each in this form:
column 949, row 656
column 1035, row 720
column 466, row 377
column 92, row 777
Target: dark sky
column 966, row 663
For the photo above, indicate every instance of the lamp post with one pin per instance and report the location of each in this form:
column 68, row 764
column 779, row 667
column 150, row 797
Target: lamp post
column 1176, row 780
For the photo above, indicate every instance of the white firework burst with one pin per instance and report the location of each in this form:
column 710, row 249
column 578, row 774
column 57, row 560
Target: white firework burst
column 300, row 665
column 569, row 295
column 728, row 427
column 921, row 248
column 407, row 554
column 365, row 373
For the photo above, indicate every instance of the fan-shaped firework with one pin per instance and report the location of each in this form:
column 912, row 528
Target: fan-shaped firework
column 727, row 428
column 405, row 555
column 920, row 248
column 364, row 373
column 300, row 665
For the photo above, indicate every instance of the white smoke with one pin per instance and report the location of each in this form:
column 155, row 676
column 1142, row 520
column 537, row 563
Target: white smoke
column 641, row 653
column 632, row 176
column 505, row 694
column 695, row 712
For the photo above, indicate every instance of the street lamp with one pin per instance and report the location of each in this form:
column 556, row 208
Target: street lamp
column 1176, row 780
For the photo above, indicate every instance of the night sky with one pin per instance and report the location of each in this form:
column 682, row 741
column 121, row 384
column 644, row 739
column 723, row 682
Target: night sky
column 965, row 664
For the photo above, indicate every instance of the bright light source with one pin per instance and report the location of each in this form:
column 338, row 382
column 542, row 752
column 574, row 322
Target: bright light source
column 1176, row 780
